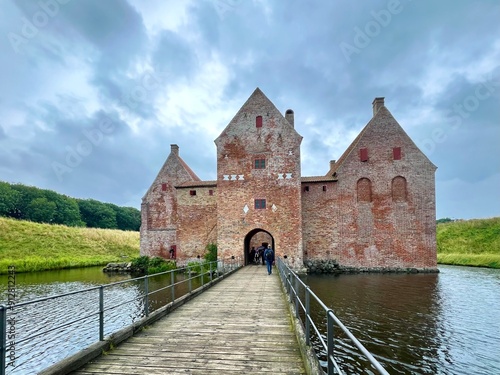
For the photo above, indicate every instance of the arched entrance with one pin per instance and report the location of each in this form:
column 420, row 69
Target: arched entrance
column 255, row 238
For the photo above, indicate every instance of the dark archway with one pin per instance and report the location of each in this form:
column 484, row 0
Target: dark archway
column 257, row 236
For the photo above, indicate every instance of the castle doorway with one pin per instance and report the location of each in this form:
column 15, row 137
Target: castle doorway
column 255, row 239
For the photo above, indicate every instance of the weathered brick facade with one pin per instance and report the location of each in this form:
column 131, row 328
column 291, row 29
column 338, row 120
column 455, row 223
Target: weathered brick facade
column 374, row 209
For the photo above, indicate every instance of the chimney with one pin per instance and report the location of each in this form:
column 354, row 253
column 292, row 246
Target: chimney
column 332, row 163
column 289, row 117
column 174, row 149
column 377, row 104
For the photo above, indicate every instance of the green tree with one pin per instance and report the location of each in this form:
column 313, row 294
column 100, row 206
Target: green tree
column 27, row 195
column 41, row 210
column 97, row 214
column 128, row 218
column 9, row 199
column 67, row 210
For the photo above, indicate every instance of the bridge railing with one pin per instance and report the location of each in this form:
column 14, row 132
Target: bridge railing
column 49, row 323
column 301, row 296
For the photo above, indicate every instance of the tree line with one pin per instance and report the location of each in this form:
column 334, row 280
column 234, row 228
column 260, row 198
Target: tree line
column 46, row 206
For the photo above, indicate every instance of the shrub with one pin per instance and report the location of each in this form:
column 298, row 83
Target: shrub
column 140, row 265
column 211, row 254
column 147, row 266
column 157, row 265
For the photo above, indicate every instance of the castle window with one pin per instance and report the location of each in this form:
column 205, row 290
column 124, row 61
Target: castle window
column 396, row 153
column 192, row 192
column 164, row 187
column 399, row 189
column 260, row 204
column 324, row 187
column 210, row 192
column 363, row 154
column 260, row 163
column 258, row 121
column 364, row 190
column 306, row 188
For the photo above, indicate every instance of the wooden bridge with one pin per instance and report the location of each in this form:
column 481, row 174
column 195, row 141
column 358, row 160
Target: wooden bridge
column 241, row 325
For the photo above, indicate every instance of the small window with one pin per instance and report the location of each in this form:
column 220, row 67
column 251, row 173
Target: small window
column 210, row 192
column 260, row 163
column 363, row 154
column 260, row 204
column 258, row 121
column 324, row 187
column 164, row 187
column 396, row 153
column 192, row 192
column 306, row 188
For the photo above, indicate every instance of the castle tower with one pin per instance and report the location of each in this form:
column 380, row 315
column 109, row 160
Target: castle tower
column 258, row 181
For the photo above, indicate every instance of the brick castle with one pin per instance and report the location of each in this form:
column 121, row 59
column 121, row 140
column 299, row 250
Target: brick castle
column 374, row 209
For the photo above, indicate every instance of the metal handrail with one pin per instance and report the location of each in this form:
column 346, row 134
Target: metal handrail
column 207, row 268
column 292, row 284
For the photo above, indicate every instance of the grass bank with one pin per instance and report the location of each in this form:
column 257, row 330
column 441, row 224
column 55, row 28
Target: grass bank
column 35, row 247
column 469, row 242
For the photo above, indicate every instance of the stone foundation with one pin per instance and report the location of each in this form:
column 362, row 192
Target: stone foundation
column 118, row 267
column 331, row 266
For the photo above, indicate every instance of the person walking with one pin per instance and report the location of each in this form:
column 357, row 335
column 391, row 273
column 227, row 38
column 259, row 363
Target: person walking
column 269, row 257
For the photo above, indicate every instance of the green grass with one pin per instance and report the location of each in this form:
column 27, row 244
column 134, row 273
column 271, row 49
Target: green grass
column 469, row 243
column 35, row 247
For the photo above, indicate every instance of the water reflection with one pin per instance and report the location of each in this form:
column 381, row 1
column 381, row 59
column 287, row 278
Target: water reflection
column 419, row 323
column 46, row 331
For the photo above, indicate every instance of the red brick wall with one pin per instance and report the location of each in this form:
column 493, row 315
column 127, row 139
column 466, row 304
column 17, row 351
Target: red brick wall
column 378, row 214
column 385, row 233
column 197, row 222
column 239, row 183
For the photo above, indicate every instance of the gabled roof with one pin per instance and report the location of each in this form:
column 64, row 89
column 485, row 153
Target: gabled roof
column 188, row 170
column 197, row 184
column 381, row 112
column 346, row 153
column 318, row 179
column 257, row 95
column 172, row 160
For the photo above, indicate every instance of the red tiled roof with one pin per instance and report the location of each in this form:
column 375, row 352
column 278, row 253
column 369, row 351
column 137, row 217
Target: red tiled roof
column 197, row 184
column 318, row 179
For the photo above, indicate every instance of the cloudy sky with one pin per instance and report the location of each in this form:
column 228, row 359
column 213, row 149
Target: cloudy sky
column 93, row 92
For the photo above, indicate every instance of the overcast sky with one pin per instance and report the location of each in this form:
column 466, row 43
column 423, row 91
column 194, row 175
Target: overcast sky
column 92, row 93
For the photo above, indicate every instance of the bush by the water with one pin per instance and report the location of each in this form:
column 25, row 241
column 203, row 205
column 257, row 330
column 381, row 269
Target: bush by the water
column 145, row 265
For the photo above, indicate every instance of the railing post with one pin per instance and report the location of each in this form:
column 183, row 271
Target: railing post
column 202, row 271
column 211, row 274
column 189, row 279
column 146, row 297
column 296, row 296
column 288, row 283
column 308, row 316
column 3, row 338
column 329, row 338
column 101, row 313
column 172, row 286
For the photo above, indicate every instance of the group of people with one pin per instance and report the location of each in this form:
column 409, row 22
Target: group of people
column 262, row 254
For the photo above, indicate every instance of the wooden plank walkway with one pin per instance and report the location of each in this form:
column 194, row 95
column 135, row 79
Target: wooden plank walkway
column 239, row 326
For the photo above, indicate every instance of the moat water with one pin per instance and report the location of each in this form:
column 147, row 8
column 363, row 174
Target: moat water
column 445, row 323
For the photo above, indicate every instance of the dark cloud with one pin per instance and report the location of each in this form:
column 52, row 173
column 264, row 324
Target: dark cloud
column 100, row 62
